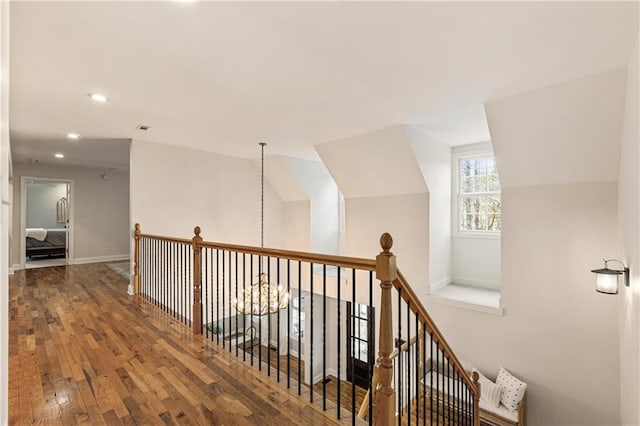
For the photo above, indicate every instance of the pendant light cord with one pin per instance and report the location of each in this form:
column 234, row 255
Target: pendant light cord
column 262, row 145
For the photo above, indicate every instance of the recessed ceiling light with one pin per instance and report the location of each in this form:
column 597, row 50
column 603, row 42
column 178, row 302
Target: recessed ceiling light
column 59, row 155
column 73, row 136
column 98, row 97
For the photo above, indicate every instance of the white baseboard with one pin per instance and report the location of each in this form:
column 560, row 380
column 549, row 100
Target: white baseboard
column 16, row 267
column 98, row 259
column 318, row 377
column 437, row 285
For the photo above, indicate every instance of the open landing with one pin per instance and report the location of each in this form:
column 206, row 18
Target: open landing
column 82, row 351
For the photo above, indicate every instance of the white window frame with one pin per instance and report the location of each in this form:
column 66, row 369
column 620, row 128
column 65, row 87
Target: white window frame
column 464, row 153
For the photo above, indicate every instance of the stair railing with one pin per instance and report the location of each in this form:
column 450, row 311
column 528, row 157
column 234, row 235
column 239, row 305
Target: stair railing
column 322, row 339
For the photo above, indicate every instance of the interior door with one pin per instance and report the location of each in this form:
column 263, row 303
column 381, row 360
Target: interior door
column 360, row 343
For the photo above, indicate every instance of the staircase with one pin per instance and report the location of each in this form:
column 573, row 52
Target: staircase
column 361, row 349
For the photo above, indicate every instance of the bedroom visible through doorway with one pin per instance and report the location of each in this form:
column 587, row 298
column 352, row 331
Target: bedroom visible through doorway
column 46, row 223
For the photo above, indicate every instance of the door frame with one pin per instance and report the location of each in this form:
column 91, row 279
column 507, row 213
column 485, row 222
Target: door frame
column 70, row 255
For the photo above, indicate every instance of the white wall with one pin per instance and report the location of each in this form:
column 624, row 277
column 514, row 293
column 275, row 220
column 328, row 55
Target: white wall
column 434, row 159
column 5, row 212
column 100, row 211
column 557, row 333
column 42, row 199
column 174, row 189
column 629, row 207
column 323, row 192
column 476, row 261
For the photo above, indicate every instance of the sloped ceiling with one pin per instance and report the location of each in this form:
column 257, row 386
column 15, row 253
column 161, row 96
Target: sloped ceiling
column 565, row 133
column 380, row 163
column 222, row 76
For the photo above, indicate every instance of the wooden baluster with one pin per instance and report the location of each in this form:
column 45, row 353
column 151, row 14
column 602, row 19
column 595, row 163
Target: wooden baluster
column 385, row 401
column 476, row 409
column 136, row 260
column 196, row 320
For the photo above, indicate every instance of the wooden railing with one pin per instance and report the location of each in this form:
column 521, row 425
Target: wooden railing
column 416, row 376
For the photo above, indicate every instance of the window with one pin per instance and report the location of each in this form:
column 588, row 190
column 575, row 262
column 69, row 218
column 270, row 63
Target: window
column 478, row 194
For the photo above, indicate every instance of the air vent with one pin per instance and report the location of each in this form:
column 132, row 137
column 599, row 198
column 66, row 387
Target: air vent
column 142, row 127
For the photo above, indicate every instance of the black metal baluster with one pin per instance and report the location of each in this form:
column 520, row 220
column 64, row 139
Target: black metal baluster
column 244, row 301
column 228, row 300
column 236, row 311
column 165, row 275
column 300, row 332
column 278, row 317
column 268, row 316
column 260, row 313
column 399, row 351
column 417, row 365
column 339, row 346
column 289, row 324
column 205, row 283
column 224, row 311
column 324, row 336
column 350, row 348
column 431, row 378
column 174, row 286
column 253, row 330
column 408, row 363
column 372, row 344
column 437, row 382
column 424, row 374
column 311, row 294
column 217, row 326
column 190, row 283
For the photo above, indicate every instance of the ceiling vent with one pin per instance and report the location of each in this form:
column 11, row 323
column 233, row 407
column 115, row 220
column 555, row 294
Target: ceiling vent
column 142, row 127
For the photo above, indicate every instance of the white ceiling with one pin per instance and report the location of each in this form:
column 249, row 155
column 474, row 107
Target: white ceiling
column 224, row 76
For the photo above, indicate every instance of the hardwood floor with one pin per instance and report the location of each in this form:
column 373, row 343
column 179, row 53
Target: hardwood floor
column 83, row 352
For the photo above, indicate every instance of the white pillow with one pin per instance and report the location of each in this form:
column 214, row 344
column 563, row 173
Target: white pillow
column 512, row 389
column 489, row 391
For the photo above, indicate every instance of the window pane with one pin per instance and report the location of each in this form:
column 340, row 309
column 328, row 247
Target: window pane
column 480, row 184
column 491, row 166
column 364, row 349
column 467, row 185
column 493, row 184
column 481, row 167
column 467, row 167
column 479, row 196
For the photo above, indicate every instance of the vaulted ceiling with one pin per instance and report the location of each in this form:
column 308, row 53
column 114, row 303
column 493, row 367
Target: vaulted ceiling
column 223, row 76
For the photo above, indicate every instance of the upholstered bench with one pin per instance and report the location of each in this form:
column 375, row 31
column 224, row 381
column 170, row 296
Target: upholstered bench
column 445, row 386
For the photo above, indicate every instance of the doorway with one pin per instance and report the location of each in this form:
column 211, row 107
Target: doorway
column 45, row 223
column 360, row 343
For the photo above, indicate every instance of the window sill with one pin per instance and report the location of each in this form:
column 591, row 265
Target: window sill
column 468, row 297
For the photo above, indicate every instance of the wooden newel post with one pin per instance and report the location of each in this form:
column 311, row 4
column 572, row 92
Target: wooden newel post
column 196, row 320
column 476, row 406
column 385, row 401
column 136, row 260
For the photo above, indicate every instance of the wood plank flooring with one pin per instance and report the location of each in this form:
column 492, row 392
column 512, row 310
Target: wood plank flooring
column 83, row 352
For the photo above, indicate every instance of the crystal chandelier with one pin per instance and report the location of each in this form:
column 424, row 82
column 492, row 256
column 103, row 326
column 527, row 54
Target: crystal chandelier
column 262, row 297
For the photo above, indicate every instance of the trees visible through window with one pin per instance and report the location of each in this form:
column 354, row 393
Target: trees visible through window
column 478, row 195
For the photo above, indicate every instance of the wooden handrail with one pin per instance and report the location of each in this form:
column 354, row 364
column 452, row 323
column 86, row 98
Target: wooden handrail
column 327, row 259
column 410, row 297
column 168, row 239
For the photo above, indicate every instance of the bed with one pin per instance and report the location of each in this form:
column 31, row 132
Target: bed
column 46, row 242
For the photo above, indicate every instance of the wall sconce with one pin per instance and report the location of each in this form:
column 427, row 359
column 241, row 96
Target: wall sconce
column 607, row 280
